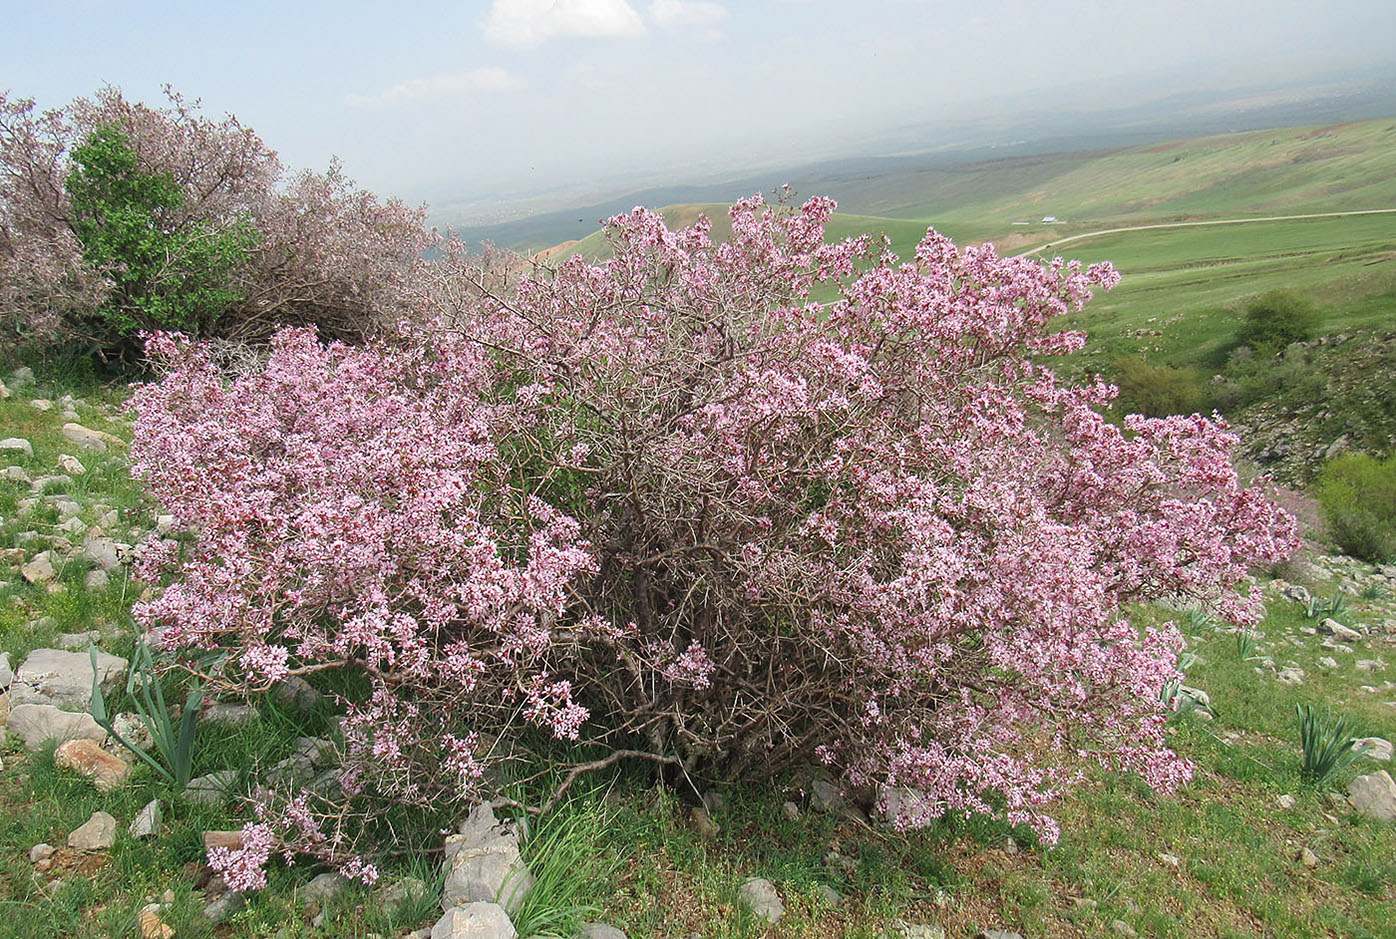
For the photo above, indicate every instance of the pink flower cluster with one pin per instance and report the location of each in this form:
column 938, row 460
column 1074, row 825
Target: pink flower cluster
column 671, row 503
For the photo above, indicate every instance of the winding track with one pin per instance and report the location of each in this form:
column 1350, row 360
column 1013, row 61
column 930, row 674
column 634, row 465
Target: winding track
column 1216, row 221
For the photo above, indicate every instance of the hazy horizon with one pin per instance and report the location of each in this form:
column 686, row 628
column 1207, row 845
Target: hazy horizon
column 488, row 103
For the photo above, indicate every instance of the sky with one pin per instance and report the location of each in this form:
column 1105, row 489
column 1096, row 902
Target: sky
column 503, row 99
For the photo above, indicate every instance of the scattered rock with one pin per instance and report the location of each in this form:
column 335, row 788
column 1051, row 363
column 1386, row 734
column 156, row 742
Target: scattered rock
column 97, row 834
column 64, row 679
column 87, row 758
column 702, row 823
column 1085, row 905
column 17, row 445
column 40, row 570
column 227, row 905
column 1328, row 662
column 37, row 723
column 323, row 888
column 1290, row 676
column 790, row 810
column 997, row 934
column 1172, row 860
column 73, row 642
column 291, row 771
column 829, row 895
column 298, row 693
column 483, row 864
column 150, row 924
column 1119, row 927
column 102, row 551
column 7, row 674
column 97, row 579
column 599, row 931
column 1331, row 627
column 403, row 890
column 40, row 852
column 212, row 789
column 132, row 729
column 1374, row 748
column 41, row 404
column 1285, row 801
column 85, row 438
column 16, row 474
column 1308, row 858
column 825, row 796
column 164, row 524
column 222, row 714
column 147, row 821
column 476, row 920
column 1374, row 795
column 759, row 896
column 317, row 751
column 920, row 930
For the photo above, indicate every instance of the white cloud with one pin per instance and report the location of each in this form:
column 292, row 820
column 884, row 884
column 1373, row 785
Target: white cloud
column 525, row 24
column 680, row 14
column 485, row 80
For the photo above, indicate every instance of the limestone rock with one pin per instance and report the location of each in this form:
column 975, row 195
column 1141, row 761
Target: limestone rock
column 759, row 896
column 75, row 642
column 151, row 926
column 85, row 438
column 147, row 821
column 212, row 789
column 1308, row 858
column 1338, row 631
column 921, row 931
column 17, row 445
column 702, row 823
column 474, row 921
column 97, row 834
column 223, row 907
column 40, row 570
column 37, row 723
column 40, row 852
column 1285, row 801
column 1374, row 795
column 64, row 679
column 1375, row 748
column 232, row 840
column 401, row 891
column 71, row 465
column 222, row 714
column 599, row 931
column 323, row 888
column 87, row 758
column 96, row 579
column 102, row 551
column 483, row 864
column 7, row 674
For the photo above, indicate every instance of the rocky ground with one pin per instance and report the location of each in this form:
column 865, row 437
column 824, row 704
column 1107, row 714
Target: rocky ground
column 93, row 843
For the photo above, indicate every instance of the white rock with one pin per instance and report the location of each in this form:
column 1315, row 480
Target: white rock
column 1285, row 801
column 97, row 834
column 41, row 404
column 482, row 864
column 40, row 570
column 71, row 464
column 1338, row 631
column 64, row 679
column 7, row 674
column 104, row 552
column 1290, row 676
column 474, row 921
column 17, row 445
column 1376, row 748
column 85, row 438
column 759, row 896
column 147, row 820
column 323, row 888
column 16, row 474
column 40, row 852
column 37, row 723
column 1374, row 795
column 164, row 524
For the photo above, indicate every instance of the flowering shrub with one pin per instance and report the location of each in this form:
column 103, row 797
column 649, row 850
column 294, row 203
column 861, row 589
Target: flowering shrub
column 184, row 215
column 673, row 507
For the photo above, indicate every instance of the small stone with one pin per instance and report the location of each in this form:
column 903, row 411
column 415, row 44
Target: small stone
column 1085, row 905
column 96, row 579
column 164, row 524
column 71, row 465
column 38, row 571
column 997, row 934
column 1374, row 748
column 40, row 852
column 1172, row 860
column 1119, row 927
column 17, row 474
column 323, row 888
column 1338, row 631
column 825, row 796
column 478, row 920
column 41, row 404
column 73, row 527
column 482, row 863
column 1328, row 662
column 714, row 802
column 759, row 896
column 223, row 907
column 85, row 438
column 1290, row 676
column 150, row 925
column 64, row 679
column 1374, row 795
column 402, row 891
column 222, row 714
column 16, row 445
column 97, row 834
column 7, row 674
column 1285, row 802
column 73, row 642
column 298, row 693
column 790, row 810
column 147, row 821
column 829, row 895
column 920, row 930
column 599, row 931
column 102, row 551
column 702, row 823
column 87, row 758
column 1308, row 858
column 317, row 751
column 212, row 789
column 1368, row 665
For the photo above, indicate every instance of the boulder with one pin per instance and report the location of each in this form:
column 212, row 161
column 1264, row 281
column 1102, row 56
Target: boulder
column 474, row 921
column 483, row 864
column 227, row 905
column 103, row 552
column 87, row 758
column 40, row 570
column 759, row 896
column 37, row 723
column 97, row 834
column 64, row 679
column 7, row 674
column 97, row 579
column 1374, row 748
column 323, row 888
column 1374, row 795
column 1331, row 627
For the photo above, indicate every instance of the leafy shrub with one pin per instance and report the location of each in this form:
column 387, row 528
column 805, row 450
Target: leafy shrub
column 1157, row 390
column 1357, row 496
column 671, row 508
column 116, row 217
column 1276, row 319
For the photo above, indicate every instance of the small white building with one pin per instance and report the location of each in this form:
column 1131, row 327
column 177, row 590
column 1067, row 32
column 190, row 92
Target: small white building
column 1049, row 218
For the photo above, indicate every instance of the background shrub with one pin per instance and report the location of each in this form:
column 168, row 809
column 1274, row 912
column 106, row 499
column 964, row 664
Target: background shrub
column 1275, row 319
column 1157, row 390
column 1357, row 496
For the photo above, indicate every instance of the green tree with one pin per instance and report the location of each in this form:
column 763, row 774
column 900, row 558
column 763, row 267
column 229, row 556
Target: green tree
column 1277, row 318
column 166, row 272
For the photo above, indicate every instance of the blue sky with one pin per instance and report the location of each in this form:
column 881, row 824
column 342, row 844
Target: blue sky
column 510, row 97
